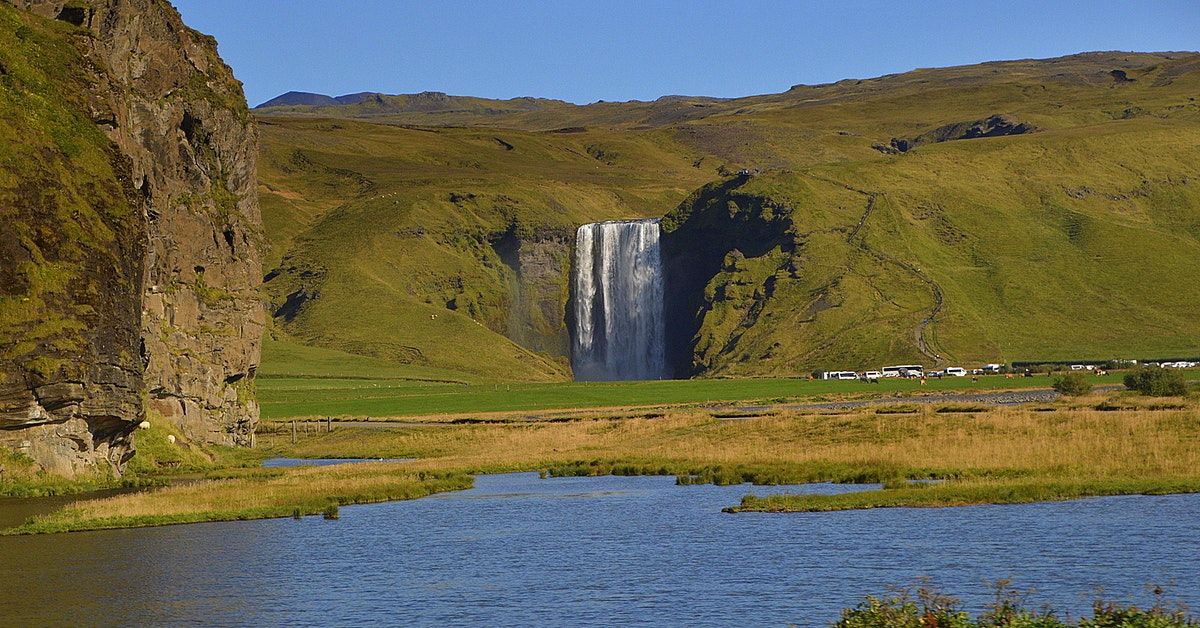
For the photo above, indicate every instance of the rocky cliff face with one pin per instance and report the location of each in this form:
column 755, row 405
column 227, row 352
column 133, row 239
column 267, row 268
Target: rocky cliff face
column 156, row 296
column 541, row 264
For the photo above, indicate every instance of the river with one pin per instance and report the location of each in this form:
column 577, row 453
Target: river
column 517, row 550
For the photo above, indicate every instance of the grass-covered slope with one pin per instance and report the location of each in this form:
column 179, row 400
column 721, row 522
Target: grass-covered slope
column 406, row 244
column 870, row 229
column 1069, row 245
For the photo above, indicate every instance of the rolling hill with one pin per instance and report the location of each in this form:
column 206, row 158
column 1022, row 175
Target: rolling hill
column 1018, row 210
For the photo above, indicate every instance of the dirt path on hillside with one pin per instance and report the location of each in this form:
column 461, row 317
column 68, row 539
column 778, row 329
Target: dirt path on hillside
column 924, row 347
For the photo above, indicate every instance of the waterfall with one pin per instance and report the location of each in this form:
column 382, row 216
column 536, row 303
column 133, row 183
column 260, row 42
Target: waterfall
column 618, row 302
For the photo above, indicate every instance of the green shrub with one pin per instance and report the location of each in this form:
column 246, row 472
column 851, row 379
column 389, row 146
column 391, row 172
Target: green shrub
column 923, row 606
column 1157, row 382
column 1073, row 384
column 916, row 606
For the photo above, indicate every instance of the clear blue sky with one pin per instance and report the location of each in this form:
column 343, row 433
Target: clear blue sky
column 584, row 51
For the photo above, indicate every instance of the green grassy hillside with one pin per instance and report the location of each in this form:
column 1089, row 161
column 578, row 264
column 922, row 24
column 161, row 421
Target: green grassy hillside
column 437, row 232
column 405, row 243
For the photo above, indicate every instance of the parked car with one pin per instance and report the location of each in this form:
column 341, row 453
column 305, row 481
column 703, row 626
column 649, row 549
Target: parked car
column 956, row 371
column 869, row 375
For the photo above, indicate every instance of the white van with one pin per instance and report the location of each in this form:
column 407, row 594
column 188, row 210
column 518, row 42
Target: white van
column 956, row 371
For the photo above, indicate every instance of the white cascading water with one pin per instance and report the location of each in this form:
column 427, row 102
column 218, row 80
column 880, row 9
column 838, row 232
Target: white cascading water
column 618, row 285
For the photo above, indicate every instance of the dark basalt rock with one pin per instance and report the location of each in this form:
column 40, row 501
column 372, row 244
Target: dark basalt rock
column 992, row 126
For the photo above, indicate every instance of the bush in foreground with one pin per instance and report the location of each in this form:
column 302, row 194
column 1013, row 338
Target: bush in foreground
column 1157, row 382
column 925, row 607
column 1073, row 384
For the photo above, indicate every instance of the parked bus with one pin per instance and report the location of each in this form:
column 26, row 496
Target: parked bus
column 903, row 370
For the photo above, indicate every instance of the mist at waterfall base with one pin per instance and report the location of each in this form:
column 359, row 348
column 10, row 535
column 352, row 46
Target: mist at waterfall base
column 619, row 328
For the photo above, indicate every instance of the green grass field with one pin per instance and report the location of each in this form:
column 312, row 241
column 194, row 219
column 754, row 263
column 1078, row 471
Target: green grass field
column 300, row 381
column 300, row 397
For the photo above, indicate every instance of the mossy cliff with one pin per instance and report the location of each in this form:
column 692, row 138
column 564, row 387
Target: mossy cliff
column 130, row 243
column 724, row 250
column 765, row 275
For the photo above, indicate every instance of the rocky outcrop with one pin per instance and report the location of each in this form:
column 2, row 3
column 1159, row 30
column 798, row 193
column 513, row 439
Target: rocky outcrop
column 162, row 312
column 539, row 261
column 991, row 126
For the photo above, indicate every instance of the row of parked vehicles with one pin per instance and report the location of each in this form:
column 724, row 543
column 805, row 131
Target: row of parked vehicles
column 1182, row 364
column 911, row 371
column 918, row 371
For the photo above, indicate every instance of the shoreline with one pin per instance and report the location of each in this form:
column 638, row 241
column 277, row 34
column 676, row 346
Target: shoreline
column 981, row 448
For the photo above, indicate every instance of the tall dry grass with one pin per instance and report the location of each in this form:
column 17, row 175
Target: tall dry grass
column 1065, row 442
column 1003, row 454
column 251, row 495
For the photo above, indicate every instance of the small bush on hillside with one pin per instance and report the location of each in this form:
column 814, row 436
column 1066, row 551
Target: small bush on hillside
column 1157, row 382
column 1073, row 384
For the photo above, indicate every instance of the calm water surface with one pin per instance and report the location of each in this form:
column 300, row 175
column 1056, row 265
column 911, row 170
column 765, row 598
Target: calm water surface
column 520, row 551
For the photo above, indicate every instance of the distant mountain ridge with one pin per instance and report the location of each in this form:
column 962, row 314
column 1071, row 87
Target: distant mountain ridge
column 430, row 108
column 309, row 99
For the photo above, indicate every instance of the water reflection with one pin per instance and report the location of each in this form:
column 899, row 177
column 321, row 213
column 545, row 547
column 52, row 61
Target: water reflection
column 519, row 551
column 15, row 511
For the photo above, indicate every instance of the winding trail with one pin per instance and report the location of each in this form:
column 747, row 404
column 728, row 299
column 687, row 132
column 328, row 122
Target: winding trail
column 928, row 349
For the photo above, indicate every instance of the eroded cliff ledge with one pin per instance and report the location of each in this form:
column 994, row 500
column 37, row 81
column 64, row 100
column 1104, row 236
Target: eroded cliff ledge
column 130, row 246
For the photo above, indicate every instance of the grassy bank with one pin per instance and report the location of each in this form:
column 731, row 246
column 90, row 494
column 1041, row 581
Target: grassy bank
column 251, row 494
column 1100, row 445
column 21, row 477
column 968, row 493
column 1000, row 455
